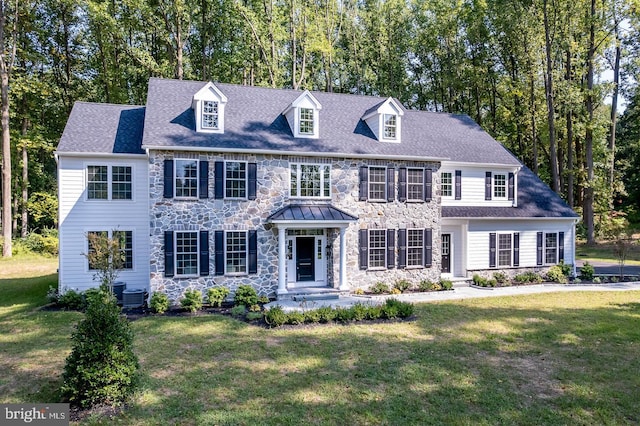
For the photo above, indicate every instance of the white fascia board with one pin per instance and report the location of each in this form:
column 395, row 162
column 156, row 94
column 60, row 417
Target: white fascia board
column 98, row 155
column 389, row 102
column 461, row 164
column 466, row 218
column 305, row 95
column 294, row 153
column 311, row 224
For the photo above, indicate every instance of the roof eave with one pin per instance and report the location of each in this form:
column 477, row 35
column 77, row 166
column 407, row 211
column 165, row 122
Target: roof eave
column 98, row 154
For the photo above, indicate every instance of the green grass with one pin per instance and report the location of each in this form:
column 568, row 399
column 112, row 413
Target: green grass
column 565, row 358
column 605, row 252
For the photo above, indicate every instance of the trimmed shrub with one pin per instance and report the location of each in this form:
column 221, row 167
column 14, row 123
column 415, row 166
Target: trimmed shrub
column 326, row 313
column 425, row 285
column 295, row 318
column 359, row 311
column 479, row 281
column 597, row 280
column 402, row 285
column 528, row 277
column 344, row 314
column 556, row 275
column 254, row 316
column 263, row 300
column 102, row 368
column 374, row 312
column 587, row 271
column 92, row 294
column 312, row 316
column 238, row 310
column 446, row 285
column 358, row 291
column 380, row 288
column 566, row 268
column 276, row 316
column 501, row 278
column 245, row 295
column 159, row 302
column 191, row 300
column 395, row 291
column 71, row 300
column 216, row 295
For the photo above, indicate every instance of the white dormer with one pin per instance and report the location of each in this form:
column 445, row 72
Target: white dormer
column 208, row 107
column 385, row 120
column 303, row 116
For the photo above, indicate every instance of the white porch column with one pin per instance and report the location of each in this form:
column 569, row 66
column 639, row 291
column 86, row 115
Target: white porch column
column 282, row 261
column 343, row 260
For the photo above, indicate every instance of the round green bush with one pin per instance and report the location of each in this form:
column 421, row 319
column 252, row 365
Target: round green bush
column 245, row 295
column 159, row 303
column 276, row 316
column 217, row 295
column 102, row 368
column 587, row 271
column 191, row 300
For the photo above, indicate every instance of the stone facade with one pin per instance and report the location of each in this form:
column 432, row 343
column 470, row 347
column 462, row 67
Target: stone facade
column 272, row 194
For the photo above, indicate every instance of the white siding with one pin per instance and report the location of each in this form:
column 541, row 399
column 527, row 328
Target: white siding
column 478, row 239
column 457, row 249
column 79, row 216
column 473, row 186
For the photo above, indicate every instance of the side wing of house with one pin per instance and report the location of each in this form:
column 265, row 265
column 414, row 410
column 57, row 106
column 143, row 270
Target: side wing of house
column 102, row 188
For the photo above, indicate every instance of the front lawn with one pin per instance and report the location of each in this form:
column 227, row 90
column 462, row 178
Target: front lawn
column 563, row 358
column 604, row 251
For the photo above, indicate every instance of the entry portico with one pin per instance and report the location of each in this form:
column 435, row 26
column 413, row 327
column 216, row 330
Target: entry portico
column 303, row 250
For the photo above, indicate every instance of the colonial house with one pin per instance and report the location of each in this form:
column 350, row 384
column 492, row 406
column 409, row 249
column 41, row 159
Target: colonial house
column 213, row 184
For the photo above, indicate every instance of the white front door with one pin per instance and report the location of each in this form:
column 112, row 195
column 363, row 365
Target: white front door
column 306, row 260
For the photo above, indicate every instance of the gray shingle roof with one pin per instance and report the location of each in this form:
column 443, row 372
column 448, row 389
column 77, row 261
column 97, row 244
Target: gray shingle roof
column 103, row 128
column 253, row 120
column 535, row 199
column 309, row 212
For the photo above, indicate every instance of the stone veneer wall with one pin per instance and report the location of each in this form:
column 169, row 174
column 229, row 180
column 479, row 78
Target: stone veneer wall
column 272, row 194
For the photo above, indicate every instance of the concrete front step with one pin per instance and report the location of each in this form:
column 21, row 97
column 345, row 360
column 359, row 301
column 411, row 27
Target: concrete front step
column 312, row 293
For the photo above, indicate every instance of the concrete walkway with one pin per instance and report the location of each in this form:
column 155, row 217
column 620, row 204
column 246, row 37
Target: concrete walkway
column 456, row 294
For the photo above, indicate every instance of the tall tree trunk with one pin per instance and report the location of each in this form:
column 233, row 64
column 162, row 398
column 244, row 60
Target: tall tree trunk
column 534, row 130
column 614, row 105
column 553, row 155
column 587, row 209
column 569, row 118
column 24, row 222
column 5, row 69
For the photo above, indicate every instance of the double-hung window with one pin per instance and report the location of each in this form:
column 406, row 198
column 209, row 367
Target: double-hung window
column 377, row 248
column 415, row 184
column 186, row 253
column 109, row 183
column 124, row 238
column 310, row 180
column 235, row 182
column 447, row 184
column 306, row 121
column 236, row 252
column 551, row 248
column 415, row 247
column 377, row 183
column 499, row 186
column 505, row 249
column 186, row 178
column 210, row 115
column 390, row 126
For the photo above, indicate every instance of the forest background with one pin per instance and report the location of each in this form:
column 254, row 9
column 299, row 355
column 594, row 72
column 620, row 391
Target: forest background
column 530, row 72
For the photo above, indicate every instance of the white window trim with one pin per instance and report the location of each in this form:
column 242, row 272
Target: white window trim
column 384, row 266
column 386, row 184
column 300, row 120
column 246, row 181
column 494, row 186
column 421, row 248
column 208, row 93
column 110, row 234
column 498, row 265
column 175, row 254
column 544, row 247
column 109, row 182
column 216, row 114
column 421, row 170
column 246, row 254
column 322, row 181
column 175, row 179
column 452, row 184
column 395, row 127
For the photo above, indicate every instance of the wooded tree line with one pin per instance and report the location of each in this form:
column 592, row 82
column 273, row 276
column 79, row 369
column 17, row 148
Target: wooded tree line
column 528, row 71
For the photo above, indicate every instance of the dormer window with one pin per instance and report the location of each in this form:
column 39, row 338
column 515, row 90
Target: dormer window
column 306, row 121
column 385, row 120
column 208, row 107
column 390, row 126
column 210, row 114
column 303, row 116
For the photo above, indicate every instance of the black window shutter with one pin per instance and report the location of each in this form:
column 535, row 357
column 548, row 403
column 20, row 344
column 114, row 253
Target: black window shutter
column 391, row 248
column 402, row 248
column 364, row 185
column 219, row 181
column 391, row 187
column 169, row 268
column 511, row 186
column 203, row 184
column 428, row 247
column 219, row 252
column 492, row 250
column 402, row 184
column 252, row 173
column 458, row 184
column 487, row 186
column 560, row 246
column 516, row 249
column 253, row 252
column 204, row 253
column 428, row 178
column 168, row 178
column 539, row 248
column 364, row 249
